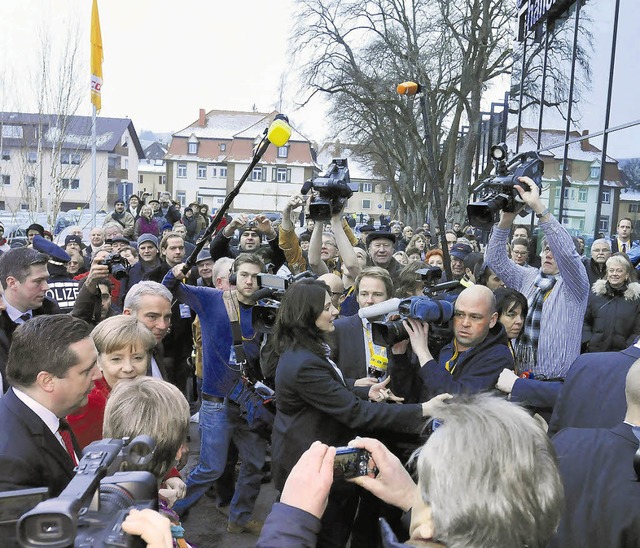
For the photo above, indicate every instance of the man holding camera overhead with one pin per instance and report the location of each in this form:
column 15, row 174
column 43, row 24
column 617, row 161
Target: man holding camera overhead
column 557, row 294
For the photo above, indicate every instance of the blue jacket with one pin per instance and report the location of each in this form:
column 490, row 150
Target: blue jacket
column 476, row 370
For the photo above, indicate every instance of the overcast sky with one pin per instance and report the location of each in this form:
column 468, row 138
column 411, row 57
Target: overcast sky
column 164, row 60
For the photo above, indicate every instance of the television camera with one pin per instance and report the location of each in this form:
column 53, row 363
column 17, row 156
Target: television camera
column 434, row 307
column 331, row 191
column 498, row 193
column 91, row 509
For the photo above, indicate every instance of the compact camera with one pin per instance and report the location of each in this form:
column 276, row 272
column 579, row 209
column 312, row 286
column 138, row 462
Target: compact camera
column 351, row 462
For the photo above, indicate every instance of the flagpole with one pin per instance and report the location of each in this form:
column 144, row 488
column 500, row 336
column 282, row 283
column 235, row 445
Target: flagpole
column 93, row 168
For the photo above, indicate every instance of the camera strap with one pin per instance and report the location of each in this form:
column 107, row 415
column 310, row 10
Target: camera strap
column 230, row 299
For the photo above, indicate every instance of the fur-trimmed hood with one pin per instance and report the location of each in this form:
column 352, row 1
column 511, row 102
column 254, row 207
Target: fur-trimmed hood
column 602, row 289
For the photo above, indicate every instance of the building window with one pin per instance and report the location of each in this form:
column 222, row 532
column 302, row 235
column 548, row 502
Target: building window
column 24, row 207
column 140, row 179
column 6, row 155
column 32, row 157
column 162, row 179
column 223, row 172
column 595, row 172
column 606, row 196
column 387, row 204
column 202, row 171
column 5, row 180
column 366, row 204
column 70, row 158
column 389, row 190
column 182, row 170
column 223, row 147
column 12, row 132
column 282, row 175
column 31, row 182
column 193, row 148
column 566, row 193
column 603, row 224
column 214, row 171
column 182, row 198
column 367, row 187
column 283, row 152
column 583, row 194
column 258, row 174
column 71, row 184
column 581, row 224
column 634, row 208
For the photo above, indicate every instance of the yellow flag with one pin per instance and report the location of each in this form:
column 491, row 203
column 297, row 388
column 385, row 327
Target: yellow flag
column 96, row 58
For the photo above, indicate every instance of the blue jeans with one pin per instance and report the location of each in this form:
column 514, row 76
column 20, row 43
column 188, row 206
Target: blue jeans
column 220, row 423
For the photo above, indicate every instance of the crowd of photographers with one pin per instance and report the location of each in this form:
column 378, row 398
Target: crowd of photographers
column 502, row 375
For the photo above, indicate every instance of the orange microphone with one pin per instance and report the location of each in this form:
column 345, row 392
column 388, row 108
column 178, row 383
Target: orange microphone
column 409, row 88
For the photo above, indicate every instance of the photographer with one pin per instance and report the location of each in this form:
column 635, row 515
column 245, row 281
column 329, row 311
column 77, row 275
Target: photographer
column 471, row 363
column 251, row 232
column 557, row 296
column 93, row 303
column 505, row 493
column 316, row 402
column 220, row 418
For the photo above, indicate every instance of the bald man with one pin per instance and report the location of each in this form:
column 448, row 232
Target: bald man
column 336, row 286
column 602, row 491
column 471, row 363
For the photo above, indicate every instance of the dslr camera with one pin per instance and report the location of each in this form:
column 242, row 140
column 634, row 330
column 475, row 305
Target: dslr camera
column 432, row 307
column 118, row 266
column 498, row 193
column 332, row 191
column 90, row 511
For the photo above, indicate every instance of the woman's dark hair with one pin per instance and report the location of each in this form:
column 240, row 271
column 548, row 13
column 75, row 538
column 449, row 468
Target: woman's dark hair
column 472, row 260
column 407, row 283
column 507, row 299
column 295, row 323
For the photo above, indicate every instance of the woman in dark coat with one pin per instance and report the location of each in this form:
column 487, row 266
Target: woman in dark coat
column 612, row 319
column 315, row 401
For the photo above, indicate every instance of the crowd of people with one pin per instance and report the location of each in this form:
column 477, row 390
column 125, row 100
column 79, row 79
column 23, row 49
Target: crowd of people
column 512, row 422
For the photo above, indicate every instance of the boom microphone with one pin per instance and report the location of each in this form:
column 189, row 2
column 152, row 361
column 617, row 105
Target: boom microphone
column 279, row 131
column 379, row 309
column 409, row 88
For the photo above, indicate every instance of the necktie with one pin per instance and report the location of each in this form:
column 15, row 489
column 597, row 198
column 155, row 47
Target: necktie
column 624, row 248
column 25, row 317
column 65, row 433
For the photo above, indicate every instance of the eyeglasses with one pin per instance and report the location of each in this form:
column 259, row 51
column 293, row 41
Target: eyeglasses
column 329, row 244
column 520, row 253
column 381, row 245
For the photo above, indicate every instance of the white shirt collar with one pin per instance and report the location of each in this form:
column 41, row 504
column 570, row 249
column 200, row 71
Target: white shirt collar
column 13, row 313
column 47, row 416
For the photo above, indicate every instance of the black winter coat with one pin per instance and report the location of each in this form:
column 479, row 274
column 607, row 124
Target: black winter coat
column 612, row 319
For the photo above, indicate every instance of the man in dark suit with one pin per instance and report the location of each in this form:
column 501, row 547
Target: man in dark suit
column 602, row 491
column 51, row 369
column 24, row 278
column 592, row 395
column 354, row 350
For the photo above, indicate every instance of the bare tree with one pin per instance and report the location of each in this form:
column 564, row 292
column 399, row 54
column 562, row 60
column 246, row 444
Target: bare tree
column 359, row 50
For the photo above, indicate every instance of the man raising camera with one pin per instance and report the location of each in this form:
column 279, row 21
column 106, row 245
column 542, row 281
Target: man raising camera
column 557, row 295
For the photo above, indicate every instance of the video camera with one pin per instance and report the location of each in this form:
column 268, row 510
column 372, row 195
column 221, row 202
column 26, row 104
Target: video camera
column 271, row 288
column 498, row 192
column 432, row 307
column 333, row 189
column 118, row 266
column 90, row 511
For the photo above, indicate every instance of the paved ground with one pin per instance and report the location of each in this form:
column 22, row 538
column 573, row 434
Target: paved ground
column 205, row 525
